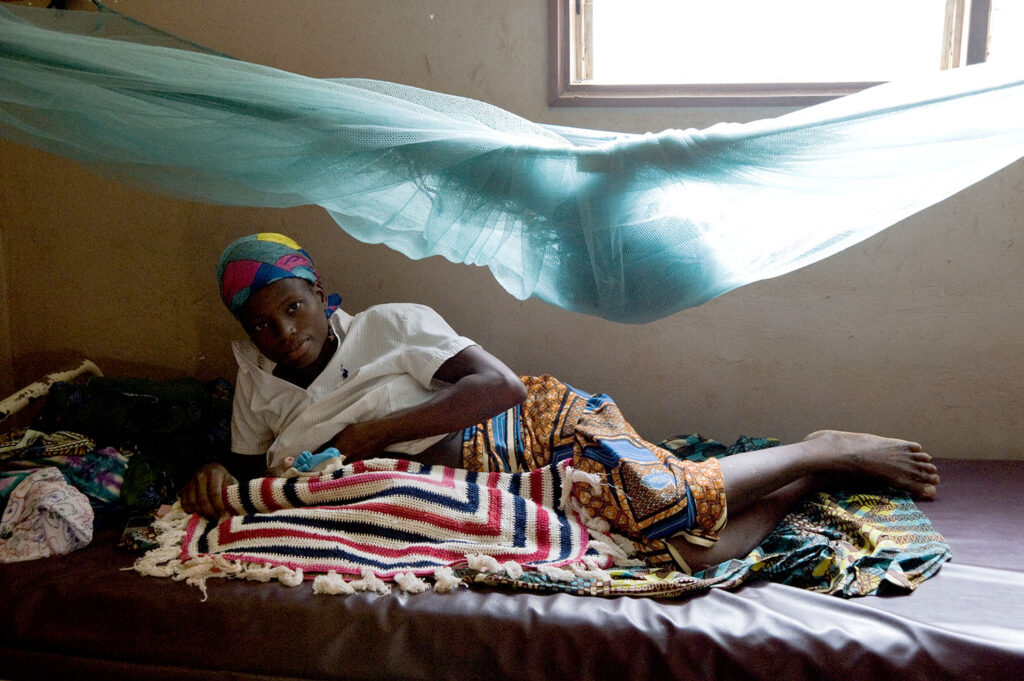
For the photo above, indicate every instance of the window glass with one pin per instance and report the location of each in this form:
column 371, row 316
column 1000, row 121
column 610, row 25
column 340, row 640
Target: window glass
column 1006, row 32
column 758, row 41
column 765, row 52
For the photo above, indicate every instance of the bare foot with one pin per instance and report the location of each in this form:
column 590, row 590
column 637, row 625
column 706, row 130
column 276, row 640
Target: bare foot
column 899, row 463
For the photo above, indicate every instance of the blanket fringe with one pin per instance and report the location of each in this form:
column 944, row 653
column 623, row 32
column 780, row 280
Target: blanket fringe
column 165, row 560
column 483, row 563
column 195, row 573
column 332, row 583
column 556, row 573
column 589, row 569
column 445, row 580
column 596, row 524
column 371, row 582
column 512, row 569
column 592, row 479
column 410, row 583
column 160, row 562
column 260, row 573
column 284, row 575
column 616, row 547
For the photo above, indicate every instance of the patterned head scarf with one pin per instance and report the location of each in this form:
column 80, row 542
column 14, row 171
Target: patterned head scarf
column 252, row 262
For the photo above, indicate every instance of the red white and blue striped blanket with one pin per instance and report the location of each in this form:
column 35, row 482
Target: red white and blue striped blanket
column 390, row 518
column 372, row 523
column 394, row 516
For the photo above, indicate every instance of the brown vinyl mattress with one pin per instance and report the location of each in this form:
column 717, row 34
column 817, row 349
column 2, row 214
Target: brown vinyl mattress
column 81, row 616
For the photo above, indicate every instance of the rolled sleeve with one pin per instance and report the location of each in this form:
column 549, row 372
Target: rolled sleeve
column 429, row 343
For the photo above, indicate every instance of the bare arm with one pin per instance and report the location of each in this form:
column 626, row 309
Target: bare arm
column 482, row 386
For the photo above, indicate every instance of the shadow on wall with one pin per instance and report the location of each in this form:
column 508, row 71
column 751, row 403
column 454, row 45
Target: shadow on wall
column 49, row 361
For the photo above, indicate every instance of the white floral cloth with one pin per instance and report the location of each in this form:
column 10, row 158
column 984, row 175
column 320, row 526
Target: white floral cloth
column 44, row 516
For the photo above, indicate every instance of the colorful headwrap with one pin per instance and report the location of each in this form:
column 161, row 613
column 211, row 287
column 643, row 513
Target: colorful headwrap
column 252, row 262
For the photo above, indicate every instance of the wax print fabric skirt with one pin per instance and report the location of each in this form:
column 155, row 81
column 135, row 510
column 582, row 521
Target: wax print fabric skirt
column 644, row 491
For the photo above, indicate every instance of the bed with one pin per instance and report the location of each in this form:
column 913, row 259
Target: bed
column 83, row 616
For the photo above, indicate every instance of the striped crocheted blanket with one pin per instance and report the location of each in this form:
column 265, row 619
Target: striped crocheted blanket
column 376, row 523
column 386, row 519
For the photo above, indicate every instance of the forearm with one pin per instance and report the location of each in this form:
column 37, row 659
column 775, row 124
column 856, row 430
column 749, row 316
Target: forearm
column 472, row 399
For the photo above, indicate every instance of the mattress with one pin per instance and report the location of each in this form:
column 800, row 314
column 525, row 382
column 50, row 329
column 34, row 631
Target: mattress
column 82, row 616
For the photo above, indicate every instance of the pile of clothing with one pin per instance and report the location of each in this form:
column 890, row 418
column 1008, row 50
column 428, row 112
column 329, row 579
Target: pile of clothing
column 49, row 484
column 100, row 451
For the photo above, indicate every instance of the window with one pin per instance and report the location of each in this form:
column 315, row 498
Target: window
column 766, row 52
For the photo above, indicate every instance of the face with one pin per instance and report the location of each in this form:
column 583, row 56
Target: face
column 286, row 321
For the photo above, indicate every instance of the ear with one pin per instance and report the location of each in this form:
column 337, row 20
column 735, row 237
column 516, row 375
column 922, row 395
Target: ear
column 318, row 289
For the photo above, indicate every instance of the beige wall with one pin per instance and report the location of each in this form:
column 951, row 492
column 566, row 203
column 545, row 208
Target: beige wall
column 916, row 332
column 6, row 373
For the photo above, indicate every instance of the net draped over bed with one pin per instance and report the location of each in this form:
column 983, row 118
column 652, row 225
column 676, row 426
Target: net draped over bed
column 625, row 226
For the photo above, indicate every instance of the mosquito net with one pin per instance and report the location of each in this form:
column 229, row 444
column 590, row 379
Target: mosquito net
column 626, row 226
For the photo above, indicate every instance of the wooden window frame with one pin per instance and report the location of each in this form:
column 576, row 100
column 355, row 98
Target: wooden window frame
column 565, row 89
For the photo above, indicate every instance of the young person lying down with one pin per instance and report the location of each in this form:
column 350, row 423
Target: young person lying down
column 397, row 381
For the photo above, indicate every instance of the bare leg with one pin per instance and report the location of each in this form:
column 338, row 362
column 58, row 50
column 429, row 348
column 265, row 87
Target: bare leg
column 745, row 530
column 761, row 487
column 751, row 476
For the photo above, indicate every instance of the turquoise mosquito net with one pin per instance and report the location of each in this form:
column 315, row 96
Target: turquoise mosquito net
column 629, row 227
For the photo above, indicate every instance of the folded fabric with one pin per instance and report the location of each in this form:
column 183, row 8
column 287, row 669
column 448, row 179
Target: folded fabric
column 44, row 516
column 28, row 443
column 847, row 544
column 842, row 542
column 98, row 473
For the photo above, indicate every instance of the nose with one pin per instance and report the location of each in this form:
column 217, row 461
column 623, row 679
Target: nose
column 285, row 328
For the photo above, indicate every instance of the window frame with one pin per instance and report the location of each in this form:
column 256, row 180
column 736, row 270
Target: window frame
column 565, row 90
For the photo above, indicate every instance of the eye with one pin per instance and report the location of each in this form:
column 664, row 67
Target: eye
column 294, row 307
column 259, row 327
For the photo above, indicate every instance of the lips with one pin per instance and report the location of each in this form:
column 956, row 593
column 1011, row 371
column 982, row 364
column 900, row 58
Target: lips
column 298, row 350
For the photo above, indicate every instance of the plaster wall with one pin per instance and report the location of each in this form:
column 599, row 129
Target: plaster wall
column 6, row 366
column 917, row 332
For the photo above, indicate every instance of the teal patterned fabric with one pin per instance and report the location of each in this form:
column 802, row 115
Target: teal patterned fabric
column 843, row 542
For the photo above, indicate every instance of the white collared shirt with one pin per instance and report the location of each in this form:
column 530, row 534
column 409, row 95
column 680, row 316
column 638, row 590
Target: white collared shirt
column 385, row 361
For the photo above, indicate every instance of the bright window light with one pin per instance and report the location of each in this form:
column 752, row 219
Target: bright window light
column 1006, row 35
column 765, row 41
column 765, row 52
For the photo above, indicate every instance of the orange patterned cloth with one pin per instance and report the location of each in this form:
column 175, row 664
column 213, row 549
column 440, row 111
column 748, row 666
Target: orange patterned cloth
column 645, row 491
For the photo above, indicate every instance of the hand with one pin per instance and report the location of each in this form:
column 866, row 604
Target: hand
column 356, row 442
column 203, row 493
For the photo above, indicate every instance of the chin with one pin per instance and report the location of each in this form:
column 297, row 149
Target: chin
column 290, row 361
column 307, row 358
